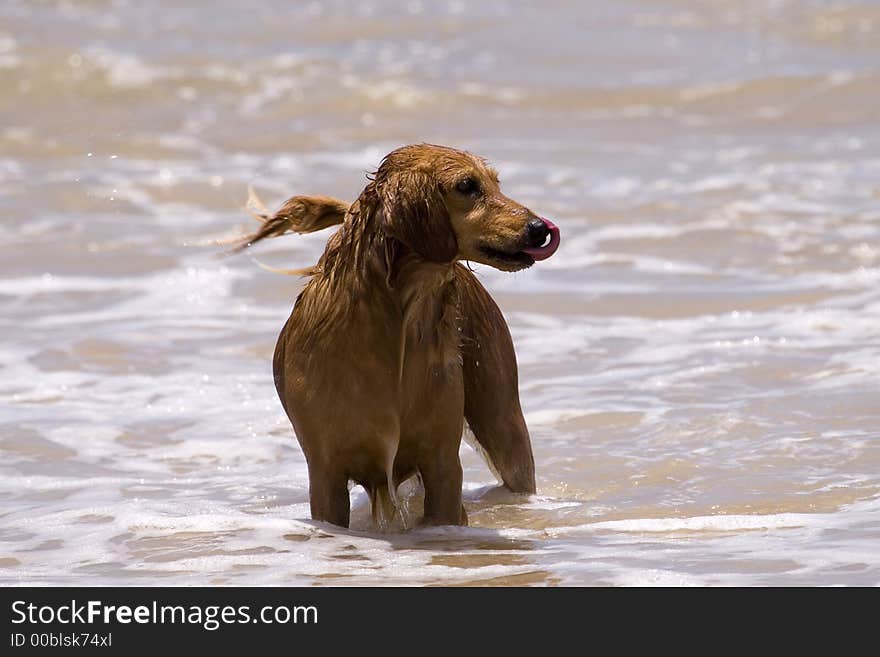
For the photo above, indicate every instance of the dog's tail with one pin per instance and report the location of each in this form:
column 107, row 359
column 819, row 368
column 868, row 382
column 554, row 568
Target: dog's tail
column 300, row 214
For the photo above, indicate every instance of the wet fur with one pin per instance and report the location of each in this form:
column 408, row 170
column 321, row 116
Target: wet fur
column 393, row 344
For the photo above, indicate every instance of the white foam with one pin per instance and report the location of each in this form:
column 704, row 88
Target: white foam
column 125, row 70
column 721, row 523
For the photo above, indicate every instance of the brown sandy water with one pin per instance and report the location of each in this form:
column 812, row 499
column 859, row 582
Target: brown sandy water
column 700, row 362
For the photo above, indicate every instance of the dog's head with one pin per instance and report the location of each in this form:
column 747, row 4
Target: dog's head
column 447, row 205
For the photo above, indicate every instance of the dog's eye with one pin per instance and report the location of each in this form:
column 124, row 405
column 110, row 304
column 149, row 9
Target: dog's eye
column 467, row 186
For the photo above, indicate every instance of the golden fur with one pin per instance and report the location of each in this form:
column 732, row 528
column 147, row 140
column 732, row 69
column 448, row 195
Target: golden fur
column 393, row 343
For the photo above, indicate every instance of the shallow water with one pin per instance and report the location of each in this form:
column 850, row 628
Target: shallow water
column 700, row 362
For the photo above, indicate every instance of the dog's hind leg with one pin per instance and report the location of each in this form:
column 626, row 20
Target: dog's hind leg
column 384, row 501
column 381, row 507
column 385, row 504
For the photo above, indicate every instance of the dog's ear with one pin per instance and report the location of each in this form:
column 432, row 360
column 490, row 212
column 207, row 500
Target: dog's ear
column 300, row 214
column 415, row 214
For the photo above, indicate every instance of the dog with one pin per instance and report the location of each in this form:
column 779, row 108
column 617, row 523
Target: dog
column 393, row 343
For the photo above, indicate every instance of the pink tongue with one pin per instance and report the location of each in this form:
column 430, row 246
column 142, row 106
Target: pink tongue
column 544, row 252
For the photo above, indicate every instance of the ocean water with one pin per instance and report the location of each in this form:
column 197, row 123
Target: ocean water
column 699, row 362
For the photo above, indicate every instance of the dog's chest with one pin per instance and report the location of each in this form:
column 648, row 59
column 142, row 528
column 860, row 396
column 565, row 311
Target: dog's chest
column 431, row 350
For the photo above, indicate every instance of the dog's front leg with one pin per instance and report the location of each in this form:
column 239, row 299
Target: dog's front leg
column 442, row 479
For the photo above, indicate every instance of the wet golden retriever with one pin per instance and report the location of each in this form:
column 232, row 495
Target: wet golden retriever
column 393, row 343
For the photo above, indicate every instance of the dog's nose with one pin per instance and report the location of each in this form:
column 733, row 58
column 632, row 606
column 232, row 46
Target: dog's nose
column 537, row 232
